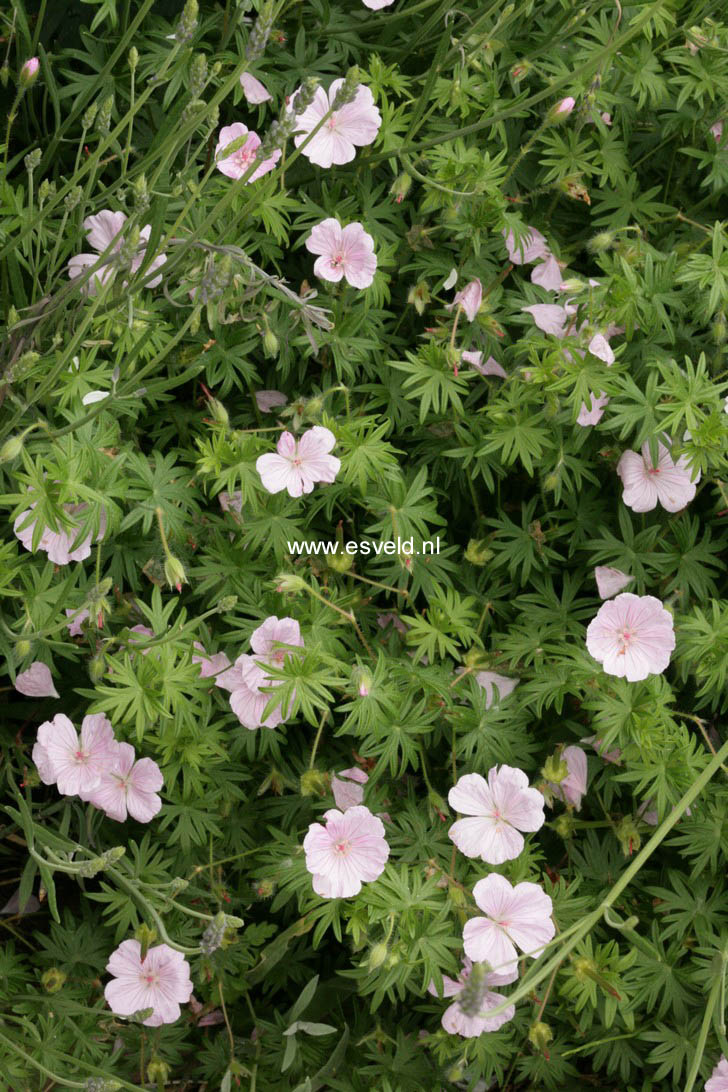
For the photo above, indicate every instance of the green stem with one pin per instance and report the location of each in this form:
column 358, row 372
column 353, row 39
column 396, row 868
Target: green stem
column 129, row 887
column 39, row 1066
column 702, row 1038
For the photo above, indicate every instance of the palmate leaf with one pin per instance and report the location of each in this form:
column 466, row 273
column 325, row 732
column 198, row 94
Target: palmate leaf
column 432, row 382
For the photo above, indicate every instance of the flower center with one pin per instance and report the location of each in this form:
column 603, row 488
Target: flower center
column 80, row 756
column 244, row 155
column 331, row 123
column 297, row 461
column 343, row 847
column 625, row 636
column 653, row 470
column 337, row 260
column 149, row 978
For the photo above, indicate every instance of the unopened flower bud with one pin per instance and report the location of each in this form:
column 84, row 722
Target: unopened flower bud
column 45, row 190
column 436, row 802
column 540, row 1035
column 477, row 553
column 455, row 1073
column 32, row 159
column 314, row 783
column 198, row 75
column 562, row 109
column 23, row 648
column 419, row 296
column 187, row 25
column 270, row 343
column 604, row 241
column 340, row 562
column 219, row 413
column 584, row 968
column 72, row 198
column 364, row 681
column 264, row 888
column 5, row 74
column 456, row 896
column 260, row 33
column 140, row 193
column 146, row 937
column 97, row 667
column 628, row 835
column 565, row 825
column 157, row 1071
column 214, row 934
column 226, row 604
column 29, row 73
column 13, row 316
column 133, row 58
column 11, row 449
column 718, row 329
column 53, row 980
column 103, row 118
column 377, row 956
column 89, row 115
column 174, row 573
column 289, row 582
column 401, row 187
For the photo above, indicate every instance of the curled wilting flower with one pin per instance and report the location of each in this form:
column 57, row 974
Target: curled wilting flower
column 572, row 787
column 350, row 127
column 610, row 581
column 469, row 298
column 632, row 636
column 344, row 252
column 103, row 229
column 348, row 787
column 36, row 682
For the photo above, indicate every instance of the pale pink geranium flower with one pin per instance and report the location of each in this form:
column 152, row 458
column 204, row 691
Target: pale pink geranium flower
column 268, row 400
column 469, row 298
column 573, row 786
column 645, row 485
column 75, row 765
column 600, row 348
column 74, row 627
column 344, row 252
column 517, row 916
column 592, row 415
column 350, row 127
column 632, row 636
column 254, row 91
column 491, row 366
column 498, row 810
column 349, row 850
column 532, row 247
column 128, row 787
column 491, row 682
column 161, row 981
column 101, row 230
column 299, row 464
column 210, row 666
column 57, row 544
column 718, row 1081
column 469, row 1014
column 244, row 681
column 610, row 581
column 552, row 318
column 348, row 787
column 36, row 682
column 237, row 163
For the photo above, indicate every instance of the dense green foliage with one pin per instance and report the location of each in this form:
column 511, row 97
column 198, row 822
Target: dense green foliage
column 332, row 993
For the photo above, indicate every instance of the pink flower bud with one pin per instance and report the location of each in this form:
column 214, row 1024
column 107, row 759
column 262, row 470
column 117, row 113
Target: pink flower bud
column 29, row 72
column 564, row 108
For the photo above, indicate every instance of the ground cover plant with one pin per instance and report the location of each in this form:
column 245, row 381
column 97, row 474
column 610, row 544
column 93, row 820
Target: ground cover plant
column 364, row 622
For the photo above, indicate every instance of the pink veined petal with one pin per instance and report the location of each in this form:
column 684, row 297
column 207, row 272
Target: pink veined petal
column 102, row 228
column 268, row 400
column 126, row 995
column 36, row 682
column 547, row 274
column 529, row 923
column 315, row 442
column 595, row 412
column 610, row 581
column 347, row 794
column 324, row 268
column 43, row 764
column 325, row 238
column 125, row 961
column 471, row 795
column 79, row 263
column 549, row 317
column 600, row 347
column 253, row 89
column 639, row 489
column 532, row 246
column 276, row 473
column 450, row 987
column 485, row 942
column 286, row 445
column 358, row 121
column 490, row 839
column 146, row 776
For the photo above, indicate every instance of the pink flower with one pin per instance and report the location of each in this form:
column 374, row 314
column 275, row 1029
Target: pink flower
column 717, row 131
column 500, row 808
column 600, row 347
column 573, row 786
column 29, row 72
column 237, row 163
column 268, row 400
column 469, row 298
column 161, row 981
column 267, row 639
column 244, row 680
column 610, row 581
column 74, row 627
column 352, row 126
column 631, row 636
column 36, row 682
column 551, row 317
column 57, row 544
column 515, row 916
column 74, row 765
column 547, row 274
column 718, row 1081
column 491, row 366
column 468, row 1016
column 299, row 464
column 347, row 787
column 645, row 485
column 128, row 787
column 532, row 247
column 350, row 850
column 344, row 252
column 594, row 414
column 564, row 108
column 491, row 682
column 101, row 231
column 383, row 620
column 253, row 89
